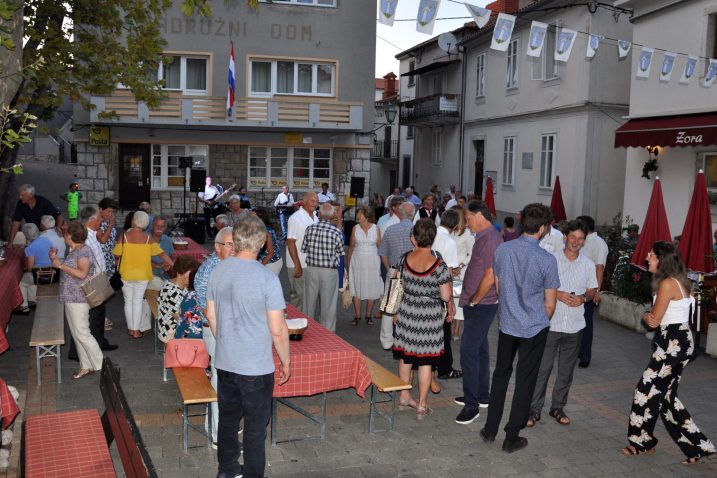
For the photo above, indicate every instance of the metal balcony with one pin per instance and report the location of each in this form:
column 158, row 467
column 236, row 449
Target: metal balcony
column 434, row 110
column 385, row 150
column 248, row 113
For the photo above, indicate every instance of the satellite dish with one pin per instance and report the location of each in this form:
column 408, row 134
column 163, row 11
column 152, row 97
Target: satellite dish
column 447, row 42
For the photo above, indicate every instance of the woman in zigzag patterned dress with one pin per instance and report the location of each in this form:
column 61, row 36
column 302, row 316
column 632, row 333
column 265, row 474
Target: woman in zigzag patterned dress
column 418, row 336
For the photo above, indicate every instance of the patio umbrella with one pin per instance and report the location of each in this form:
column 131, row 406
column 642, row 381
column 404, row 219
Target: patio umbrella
column 489, row 201
column 556, row 202
column 696, row 242
column 654, row 228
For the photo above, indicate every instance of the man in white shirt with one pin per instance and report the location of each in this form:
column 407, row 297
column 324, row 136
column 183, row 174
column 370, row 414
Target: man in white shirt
column 391, row 217
column 596, row 250
column 47, row 226
column 325, row 195
column 284, row 203
column 396, row 192
column 578, row 285
column 446, row 246
column 553, row 242
column 211, row 207
column 295, row 258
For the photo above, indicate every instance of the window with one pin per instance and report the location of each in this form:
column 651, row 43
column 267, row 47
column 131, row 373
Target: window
column 184, row 73
column 166, row 173
column 547, row 160
column 711, row 36
column 509, row 161
column 311, row 3
column 412, row 78
column 436, row 159
column 286, row 77
column 512, row 73
column 546, row 68
column 410, row 132
column 480, row 75
column 300, row 168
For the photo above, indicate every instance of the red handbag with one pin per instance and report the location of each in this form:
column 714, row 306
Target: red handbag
column 186, row 353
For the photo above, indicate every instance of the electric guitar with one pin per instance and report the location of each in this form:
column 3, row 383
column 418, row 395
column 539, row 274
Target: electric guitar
column 212, row 202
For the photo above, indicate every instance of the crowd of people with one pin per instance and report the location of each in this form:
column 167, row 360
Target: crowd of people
column 456, row 265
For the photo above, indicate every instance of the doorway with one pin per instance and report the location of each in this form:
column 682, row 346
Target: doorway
column 134, row 183
column 479, row 152
column 406, row 169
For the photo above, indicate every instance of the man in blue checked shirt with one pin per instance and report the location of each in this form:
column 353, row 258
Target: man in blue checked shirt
column 527, row 282
column 323, row 245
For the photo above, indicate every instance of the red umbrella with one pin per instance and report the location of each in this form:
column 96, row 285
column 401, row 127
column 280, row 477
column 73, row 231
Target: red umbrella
column 489, row 201
column 556, row 203
column 696, row 241
column 654, row 228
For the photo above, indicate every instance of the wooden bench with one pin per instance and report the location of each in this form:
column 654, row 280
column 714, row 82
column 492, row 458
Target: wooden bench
column 48, row 290
column 76, row 444
column 195, row 388
column 386, row 382
column 48, row 332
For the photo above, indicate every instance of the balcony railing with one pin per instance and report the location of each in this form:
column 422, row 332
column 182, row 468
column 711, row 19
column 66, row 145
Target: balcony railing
column 251, row 112
column 385, row 149
column 431, row 110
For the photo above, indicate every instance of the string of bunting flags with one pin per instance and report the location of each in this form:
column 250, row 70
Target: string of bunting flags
column 565, row 40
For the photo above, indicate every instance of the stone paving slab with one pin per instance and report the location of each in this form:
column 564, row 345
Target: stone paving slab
column 436, row 447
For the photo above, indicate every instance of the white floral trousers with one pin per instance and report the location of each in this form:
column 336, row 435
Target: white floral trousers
column 656, row 395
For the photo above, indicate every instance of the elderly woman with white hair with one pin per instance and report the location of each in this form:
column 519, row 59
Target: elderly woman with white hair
column 235, row 210
column 37, row 256
column 48, row 231
column 134, row 260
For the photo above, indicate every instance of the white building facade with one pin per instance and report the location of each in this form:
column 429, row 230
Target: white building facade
column 680, row 119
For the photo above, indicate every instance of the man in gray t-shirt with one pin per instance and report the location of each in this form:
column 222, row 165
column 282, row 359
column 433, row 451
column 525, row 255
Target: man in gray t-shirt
column 246, row 321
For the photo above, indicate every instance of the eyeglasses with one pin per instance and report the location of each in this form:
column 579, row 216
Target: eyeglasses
column 229, row 244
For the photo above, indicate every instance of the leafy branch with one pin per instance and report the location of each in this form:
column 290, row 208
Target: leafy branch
column 11, row 137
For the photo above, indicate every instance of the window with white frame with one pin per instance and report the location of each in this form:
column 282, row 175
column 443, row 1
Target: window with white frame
column 288, row 77
column 410, row 132
column 310, row 3
column 480, row 75
column 512, row 66
column 509, row 161
column 547, row 160
column 545, row 67
column 184, row 73
column 436, row 159
column 166, row 173
column 412, row 78
column 299, row 168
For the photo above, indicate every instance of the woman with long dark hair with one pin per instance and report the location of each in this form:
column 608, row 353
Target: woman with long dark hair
column 673, row 348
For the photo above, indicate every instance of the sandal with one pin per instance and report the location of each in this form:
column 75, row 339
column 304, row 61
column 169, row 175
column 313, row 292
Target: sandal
column 694, row 459
column 82, row 373
column 532, row 420
column 406, row 404
column 560, row 416
column 435, row 388
column 369, row 320
column 630, row 450
column 137, row 335
column 423, row 412
column 356, row 321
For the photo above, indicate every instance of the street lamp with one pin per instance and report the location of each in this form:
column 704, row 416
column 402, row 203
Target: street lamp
column 390, row 111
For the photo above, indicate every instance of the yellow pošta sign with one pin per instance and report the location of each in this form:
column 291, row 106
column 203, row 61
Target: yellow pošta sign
column 349, row 201
column 293, row 138
column 99, row 136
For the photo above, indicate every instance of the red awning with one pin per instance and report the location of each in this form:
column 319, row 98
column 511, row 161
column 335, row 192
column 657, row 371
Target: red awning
column 686, row 130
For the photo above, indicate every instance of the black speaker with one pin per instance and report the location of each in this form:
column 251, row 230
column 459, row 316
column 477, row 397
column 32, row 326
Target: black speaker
column 196, row 180
column 194, row 229
column 357, row 187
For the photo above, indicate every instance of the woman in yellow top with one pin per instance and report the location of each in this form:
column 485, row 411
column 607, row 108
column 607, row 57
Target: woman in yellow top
column 134, row 256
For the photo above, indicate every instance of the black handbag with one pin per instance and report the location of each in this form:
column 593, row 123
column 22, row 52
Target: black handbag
column 116, row 279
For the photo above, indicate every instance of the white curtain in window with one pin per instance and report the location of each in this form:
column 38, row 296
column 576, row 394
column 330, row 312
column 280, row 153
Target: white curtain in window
column 196, row 74
column 261, row 77
column 324, row 75
column 305, row 75
column 285, row 77
column 172, row 73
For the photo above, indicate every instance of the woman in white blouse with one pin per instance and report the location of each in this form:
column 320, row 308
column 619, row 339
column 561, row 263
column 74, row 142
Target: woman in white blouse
column 464, row 242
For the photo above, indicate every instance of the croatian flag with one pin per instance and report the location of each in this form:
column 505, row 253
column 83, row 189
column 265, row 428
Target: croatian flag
column 230, row 81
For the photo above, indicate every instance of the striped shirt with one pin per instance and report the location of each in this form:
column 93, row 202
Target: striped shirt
column 323, row 245
column 575, row 276
column 396, row 242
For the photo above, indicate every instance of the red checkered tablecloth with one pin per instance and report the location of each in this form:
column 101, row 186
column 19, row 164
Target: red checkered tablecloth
column 8, row 405
column 68, row 444
column 10, row 296
column 194, row 249
column 321, row 362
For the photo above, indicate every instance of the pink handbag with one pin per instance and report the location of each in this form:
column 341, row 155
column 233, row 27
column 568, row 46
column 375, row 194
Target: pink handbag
column 181, row 353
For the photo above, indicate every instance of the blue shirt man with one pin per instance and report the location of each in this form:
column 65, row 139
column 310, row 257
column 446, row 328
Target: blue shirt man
column 527, row 281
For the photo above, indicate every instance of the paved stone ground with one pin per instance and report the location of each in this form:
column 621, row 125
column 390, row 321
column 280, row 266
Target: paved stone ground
column 436, row 447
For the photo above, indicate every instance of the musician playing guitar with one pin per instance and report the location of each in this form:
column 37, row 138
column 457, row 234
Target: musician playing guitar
column 211, row 197
column 284, row 204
